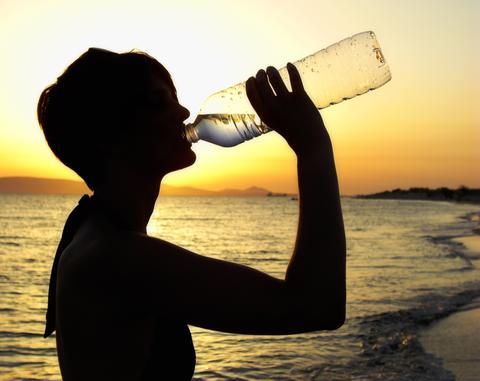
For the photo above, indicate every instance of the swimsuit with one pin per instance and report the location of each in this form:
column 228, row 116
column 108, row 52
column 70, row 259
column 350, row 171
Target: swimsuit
column 172, row 356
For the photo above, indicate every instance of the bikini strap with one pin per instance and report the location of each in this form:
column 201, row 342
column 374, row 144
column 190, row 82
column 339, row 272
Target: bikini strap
column 73, row 223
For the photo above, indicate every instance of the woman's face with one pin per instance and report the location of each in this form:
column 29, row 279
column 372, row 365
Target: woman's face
column 158, row 138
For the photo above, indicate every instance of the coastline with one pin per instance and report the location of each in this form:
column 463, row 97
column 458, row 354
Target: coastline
column 461, row 195
column 456, row 338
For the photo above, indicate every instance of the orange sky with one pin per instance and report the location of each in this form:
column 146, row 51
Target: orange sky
column 421, row 129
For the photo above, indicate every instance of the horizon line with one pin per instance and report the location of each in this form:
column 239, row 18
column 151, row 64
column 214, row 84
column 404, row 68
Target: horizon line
column 81, row 182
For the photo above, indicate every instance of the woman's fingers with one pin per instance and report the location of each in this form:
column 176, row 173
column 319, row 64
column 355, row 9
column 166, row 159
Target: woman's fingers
column 264, row 89
column 295, row 80
column 260, row 91
column 276, row 81
column 254, row 96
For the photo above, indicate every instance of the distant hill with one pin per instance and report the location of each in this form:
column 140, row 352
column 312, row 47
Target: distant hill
column 38, row 185
column 252, row 191
column 462, row 194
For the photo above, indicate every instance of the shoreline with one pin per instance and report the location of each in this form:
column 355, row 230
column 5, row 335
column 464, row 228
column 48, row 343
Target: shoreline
column 462, row 194
column 462, row 202
column 455, row 339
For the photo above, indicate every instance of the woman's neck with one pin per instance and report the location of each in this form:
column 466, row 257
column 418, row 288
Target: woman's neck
column 129, row 198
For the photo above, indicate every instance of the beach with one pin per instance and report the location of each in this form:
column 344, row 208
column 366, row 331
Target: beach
column 412, row 265
column 456, row 339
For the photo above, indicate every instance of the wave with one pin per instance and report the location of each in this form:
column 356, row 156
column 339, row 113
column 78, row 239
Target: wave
column 390, row 346
column 19, row 335
column 9, row 243
column 23, row 351
column 16, row 364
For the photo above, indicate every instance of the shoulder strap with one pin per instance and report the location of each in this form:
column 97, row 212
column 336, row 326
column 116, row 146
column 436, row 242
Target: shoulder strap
column 74, row 220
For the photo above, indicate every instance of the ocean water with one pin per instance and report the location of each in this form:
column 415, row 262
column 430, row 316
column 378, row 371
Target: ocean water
column 404, row 271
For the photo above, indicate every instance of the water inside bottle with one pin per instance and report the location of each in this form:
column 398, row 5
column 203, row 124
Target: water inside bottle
column 226, row 130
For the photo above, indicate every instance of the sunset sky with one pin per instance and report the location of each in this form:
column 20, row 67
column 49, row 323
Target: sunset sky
column 421, row 129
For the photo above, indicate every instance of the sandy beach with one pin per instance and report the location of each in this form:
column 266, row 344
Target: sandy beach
column 456, row 339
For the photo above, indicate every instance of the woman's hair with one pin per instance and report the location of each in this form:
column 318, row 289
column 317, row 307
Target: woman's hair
column 92, row 104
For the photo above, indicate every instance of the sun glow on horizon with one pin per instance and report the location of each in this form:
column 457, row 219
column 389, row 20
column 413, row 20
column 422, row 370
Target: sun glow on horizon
column 421, row 129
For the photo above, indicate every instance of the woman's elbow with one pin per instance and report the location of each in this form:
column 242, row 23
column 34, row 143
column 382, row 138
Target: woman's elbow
column 336, row 323
column 330, row 322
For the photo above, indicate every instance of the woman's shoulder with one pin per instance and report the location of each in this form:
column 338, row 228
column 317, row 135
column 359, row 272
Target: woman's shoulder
column 103, row 263
column 97, row 242
column 101, row 247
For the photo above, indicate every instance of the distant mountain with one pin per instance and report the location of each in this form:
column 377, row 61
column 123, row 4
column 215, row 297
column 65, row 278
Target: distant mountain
column 169, row 190
column 38, row 185
column 252, row 191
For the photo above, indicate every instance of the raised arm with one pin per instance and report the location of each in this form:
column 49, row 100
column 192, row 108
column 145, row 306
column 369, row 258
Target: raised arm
column 317, row 267
column 229, row 297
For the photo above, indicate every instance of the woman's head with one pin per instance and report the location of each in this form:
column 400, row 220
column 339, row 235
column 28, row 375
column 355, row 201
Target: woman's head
column 108, row 107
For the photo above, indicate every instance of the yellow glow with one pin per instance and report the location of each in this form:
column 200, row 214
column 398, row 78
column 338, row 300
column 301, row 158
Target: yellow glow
column 421, row 129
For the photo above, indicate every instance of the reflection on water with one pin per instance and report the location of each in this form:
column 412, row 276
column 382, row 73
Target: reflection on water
column 399, row 259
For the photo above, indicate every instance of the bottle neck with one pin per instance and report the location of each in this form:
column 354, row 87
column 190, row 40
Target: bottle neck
column 190, row 133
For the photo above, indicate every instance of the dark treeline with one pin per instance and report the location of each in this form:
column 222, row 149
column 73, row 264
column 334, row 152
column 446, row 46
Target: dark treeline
column 462, row 193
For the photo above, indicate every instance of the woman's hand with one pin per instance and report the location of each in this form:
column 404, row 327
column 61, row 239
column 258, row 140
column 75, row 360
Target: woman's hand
column 292, row 114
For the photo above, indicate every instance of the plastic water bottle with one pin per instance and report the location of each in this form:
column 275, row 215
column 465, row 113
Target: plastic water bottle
column 339, row 72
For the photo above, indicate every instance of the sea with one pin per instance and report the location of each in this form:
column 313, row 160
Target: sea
column 406, row 269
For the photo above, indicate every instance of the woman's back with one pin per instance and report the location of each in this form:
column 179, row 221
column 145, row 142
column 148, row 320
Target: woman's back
column 104, row 330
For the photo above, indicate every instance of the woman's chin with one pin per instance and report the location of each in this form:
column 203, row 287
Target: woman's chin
column 191, row 158
column 184, row 161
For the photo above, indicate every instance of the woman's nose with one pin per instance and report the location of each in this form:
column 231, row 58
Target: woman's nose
column 183, row 112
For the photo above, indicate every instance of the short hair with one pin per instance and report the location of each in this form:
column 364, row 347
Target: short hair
column 92, row 103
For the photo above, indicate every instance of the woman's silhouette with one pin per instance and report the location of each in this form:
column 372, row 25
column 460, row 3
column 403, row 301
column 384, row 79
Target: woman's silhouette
column 121, row 300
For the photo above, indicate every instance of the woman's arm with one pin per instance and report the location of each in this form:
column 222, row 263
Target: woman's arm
column 229, row 297
column 317, row 266
column 318, row 263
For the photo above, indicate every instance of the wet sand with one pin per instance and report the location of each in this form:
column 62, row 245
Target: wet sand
column 472, row 245
column 456, row 339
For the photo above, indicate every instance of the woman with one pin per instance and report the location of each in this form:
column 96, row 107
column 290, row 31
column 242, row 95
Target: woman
column 122, row 300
